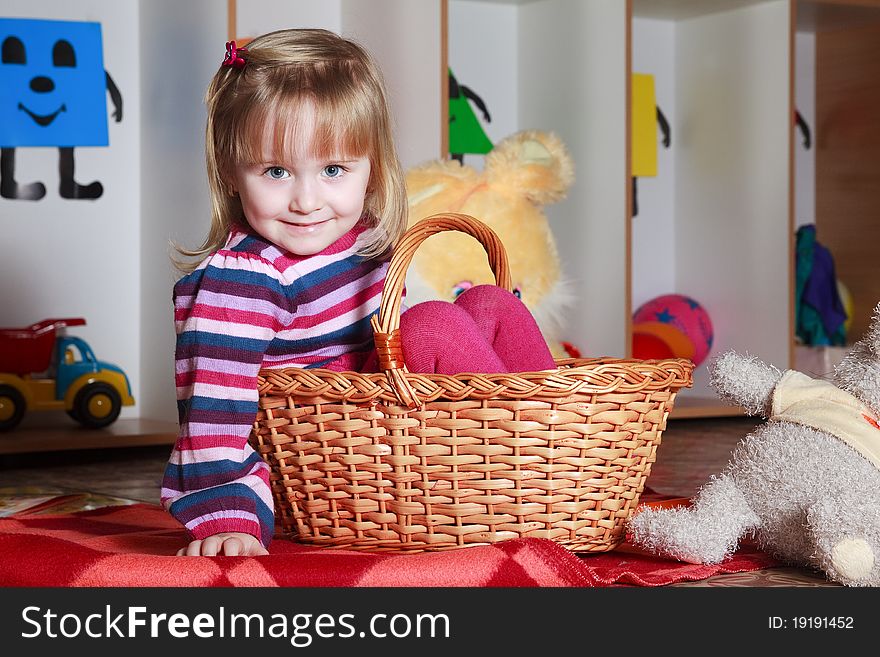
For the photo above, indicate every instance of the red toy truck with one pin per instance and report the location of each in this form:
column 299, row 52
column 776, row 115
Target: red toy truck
column 43, row 369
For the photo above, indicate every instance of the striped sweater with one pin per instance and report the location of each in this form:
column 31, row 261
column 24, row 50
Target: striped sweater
column 251, row 305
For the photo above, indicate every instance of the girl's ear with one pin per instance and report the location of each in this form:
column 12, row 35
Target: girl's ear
column 535, row 163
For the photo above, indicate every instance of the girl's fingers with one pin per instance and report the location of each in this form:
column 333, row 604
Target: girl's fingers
column 232, row 547
column 211, row 546
column 193, row 549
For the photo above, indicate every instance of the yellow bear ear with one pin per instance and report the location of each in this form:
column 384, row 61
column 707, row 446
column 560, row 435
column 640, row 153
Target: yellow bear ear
column 533, row 162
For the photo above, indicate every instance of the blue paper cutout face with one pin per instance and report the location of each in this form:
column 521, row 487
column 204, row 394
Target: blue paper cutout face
column 52, row 84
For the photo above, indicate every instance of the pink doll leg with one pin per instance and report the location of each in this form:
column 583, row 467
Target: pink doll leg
column 508, row 326
column 487, row 329
column 440, row 337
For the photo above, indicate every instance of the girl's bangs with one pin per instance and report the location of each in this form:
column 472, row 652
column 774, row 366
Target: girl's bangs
column 339, row 129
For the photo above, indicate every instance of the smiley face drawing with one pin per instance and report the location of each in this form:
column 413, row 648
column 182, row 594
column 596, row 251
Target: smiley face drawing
column 52, row 93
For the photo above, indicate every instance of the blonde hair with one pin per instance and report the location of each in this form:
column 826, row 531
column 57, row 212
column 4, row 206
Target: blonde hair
column 284, row 70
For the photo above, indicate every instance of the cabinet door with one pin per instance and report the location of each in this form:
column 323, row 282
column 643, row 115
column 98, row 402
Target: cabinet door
column 730, row 217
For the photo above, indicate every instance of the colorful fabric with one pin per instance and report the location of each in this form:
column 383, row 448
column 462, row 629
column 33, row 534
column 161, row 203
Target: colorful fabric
column 819, row 312
column 133, row 546
column 249, row 306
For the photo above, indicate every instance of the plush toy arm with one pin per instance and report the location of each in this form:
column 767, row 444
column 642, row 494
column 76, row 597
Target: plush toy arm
column 744, row 380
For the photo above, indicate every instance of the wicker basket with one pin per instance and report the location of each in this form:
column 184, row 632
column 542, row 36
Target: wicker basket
column 396, row 461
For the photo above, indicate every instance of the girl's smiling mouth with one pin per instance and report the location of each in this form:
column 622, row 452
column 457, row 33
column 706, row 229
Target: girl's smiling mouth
column 310, row 225
column 43, row 120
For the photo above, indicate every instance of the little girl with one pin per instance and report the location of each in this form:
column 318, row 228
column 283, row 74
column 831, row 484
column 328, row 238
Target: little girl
column 308, row 199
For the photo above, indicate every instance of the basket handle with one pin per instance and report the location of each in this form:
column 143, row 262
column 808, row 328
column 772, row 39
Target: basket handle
column 386, row 325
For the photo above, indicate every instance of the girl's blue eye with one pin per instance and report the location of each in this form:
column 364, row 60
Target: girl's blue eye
column 333, row 171
column 517, row 293
column 277, row 173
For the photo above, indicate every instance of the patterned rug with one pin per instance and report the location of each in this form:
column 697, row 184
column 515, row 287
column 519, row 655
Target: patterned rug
column 132, row 545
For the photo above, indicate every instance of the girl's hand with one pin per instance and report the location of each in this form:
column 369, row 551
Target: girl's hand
column 228, row 544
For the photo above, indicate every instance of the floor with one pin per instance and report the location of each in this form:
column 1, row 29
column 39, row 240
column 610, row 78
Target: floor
column 691, row 451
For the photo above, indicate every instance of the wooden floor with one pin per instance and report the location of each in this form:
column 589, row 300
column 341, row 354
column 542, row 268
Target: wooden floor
column 692, row 450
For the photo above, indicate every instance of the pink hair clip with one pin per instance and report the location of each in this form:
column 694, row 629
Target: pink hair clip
column 233, row 56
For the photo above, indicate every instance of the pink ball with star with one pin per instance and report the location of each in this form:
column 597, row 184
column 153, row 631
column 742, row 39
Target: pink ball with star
column 685, row 314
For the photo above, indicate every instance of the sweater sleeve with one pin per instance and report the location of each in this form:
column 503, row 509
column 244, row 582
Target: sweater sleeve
column 226, row 314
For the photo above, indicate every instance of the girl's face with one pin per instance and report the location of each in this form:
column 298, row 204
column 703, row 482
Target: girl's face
column 303, row 204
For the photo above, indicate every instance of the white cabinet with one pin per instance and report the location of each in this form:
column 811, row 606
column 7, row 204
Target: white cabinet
column 715, row 223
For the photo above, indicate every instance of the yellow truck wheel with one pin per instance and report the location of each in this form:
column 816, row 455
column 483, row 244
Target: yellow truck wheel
column 12, row 407
column 96, row 405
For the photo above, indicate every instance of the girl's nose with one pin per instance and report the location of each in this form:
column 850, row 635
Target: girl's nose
column 305, row 198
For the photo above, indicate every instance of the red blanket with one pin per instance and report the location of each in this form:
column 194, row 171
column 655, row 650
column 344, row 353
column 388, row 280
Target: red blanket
column 130, row 546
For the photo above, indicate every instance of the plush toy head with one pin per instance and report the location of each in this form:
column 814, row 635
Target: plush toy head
column 805, row 484
column 521, row 174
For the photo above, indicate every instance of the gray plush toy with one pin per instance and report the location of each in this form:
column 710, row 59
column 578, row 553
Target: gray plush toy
column 805, row 484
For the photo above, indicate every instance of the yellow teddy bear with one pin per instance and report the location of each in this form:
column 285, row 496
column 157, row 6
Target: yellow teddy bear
column 521, row 174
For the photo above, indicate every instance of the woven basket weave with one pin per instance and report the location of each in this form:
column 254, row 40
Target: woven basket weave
column 395, row 461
